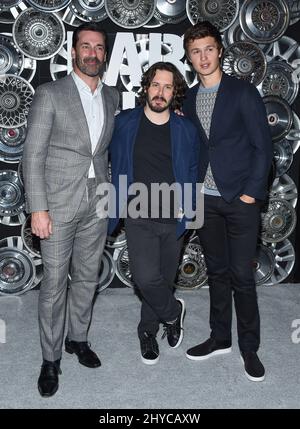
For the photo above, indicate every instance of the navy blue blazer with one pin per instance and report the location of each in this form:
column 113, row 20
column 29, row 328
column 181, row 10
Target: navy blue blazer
column 185, row 155
column 240, row 147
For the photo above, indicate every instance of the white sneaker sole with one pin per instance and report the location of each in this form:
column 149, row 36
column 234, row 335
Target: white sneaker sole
column 250, row 376
column 181, row 323
column 215, row 353
column 150, row 361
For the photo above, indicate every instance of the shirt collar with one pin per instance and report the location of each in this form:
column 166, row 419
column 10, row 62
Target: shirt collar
column 81, row 85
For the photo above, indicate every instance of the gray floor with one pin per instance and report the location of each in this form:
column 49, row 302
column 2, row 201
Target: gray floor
column 124, row 381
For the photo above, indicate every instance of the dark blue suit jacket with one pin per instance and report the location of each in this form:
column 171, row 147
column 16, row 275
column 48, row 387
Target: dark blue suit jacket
column 239, row 147
column 185, row 155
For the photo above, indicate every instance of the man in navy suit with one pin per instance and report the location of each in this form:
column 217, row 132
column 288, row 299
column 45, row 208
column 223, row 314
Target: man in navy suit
column 152, row 145
column 236, row 154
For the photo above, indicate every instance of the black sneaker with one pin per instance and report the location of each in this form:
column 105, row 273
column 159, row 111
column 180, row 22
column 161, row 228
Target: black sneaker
column 149, row 349
column 254, row 369
column 207, row 349
column 174, row 331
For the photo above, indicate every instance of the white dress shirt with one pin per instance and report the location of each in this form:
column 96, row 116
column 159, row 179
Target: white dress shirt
column 93, row 108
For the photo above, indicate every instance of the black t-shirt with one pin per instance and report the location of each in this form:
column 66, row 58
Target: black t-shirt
column 152, row 163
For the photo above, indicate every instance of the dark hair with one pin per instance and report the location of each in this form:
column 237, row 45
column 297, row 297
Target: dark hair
column 179, row 83
column 201, row 30
column 89, row 26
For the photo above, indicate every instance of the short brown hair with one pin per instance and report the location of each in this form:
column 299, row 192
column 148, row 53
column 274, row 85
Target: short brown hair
column 179, row 83
column 89, row 26
column 201, row 30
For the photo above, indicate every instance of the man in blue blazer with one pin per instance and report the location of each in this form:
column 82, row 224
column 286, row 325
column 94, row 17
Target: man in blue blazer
column 151, row 145
column 236, row 154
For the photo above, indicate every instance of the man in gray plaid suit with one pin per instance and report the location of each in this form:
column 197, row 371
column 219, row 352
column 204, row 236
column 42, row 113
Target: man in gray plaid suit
column 65, row 157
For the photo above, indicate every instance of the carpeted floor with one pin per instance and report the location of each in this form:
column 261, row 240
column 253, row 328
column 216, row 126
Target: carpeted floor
column 123, row 381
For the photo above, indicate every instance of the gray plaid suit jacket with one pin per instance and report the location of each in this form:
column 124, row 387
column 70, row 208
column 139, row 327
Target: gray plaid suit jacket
column 57, row 151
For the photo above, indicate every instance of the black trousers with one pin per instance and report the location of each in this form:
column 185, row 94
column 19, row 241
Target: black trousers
column 154, row 253
column 229, row 238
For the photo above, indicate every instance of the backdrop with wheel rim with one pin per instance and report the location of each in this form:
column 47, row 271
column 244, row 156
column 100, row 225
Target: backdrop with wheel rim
column 262, row 45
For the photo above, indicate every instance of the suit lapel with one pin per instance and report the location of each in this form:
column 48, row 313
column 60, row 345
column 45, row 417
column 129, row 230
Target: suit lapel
column 177, row 148
column 218, row 110
column 79, row 116
column 105, row 113
column 195, row 118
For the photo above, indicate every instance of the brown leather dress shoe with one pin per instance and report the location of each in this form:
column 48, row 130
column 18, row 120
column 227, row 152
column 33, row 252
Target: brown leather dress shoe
column 85, row 355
